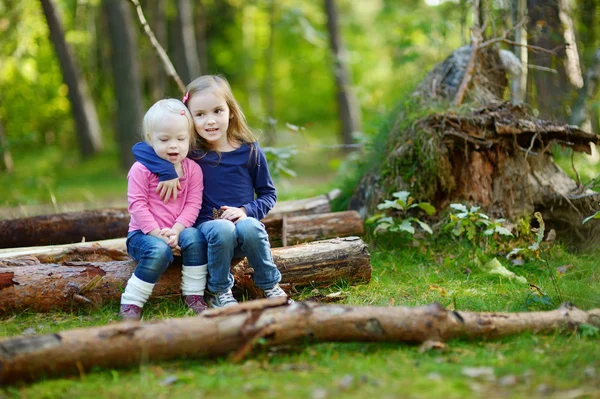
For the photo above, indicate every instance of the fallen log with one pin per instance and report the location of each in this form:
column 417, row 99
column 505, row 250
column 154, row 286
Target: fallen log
column 235, row 330
column 94, row 275
column 282, row 230
column 94, row 225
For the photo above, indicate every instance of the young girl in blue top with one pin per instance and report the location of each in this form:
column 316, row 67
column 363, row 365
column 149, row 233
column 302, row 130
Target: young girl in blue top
column 239, row 185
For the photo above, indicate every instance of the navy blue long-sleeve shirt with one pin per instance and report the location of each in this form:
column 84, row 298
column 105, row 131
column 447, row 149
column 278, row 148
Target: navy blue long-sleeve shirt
column 230, row 179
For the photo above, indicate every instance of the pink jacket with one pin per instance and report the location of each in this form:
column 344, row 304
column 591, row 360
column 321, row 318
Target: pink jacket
column 148, row 212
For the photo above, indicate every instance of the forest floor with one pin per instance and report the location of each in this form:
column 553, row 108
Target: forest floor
column 559, row 365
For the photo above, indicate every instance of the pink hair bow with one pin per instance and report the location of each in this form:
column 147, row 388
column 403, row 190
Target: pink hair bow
column 185, row 98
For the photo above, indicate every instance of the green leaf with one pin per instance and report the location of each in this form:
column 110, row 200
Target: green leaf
column 594, row 216
column 424, row 226
column 387, row 204
column 459, row 207
column 401, row 195
column 427, row 207
column 374, row 218
column 503, row 231
column 406, row 226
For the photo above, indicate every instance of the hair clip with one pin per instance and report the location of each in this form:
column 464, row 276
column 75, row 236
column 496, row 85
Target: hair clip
column 185, row 98
column 182, row 112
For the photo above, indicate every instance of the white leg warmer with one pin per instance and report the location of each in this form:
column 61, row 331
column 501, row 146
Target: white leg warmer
column 137, row 292
column 193, row 279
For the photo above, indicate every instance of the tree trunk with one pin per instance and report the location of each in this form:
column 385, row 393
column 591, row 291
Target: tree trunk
column 572, row 64
column 26, row 283
column 6, row 161
column 200, row 22
column 74, row 227
column 348, row 106
column 552, row 91
column 87, row 126
column 269, row 77
column 237, row 330
column 518, row 88
column 127, row 81
column 157, row 81
column 185, row 24
column 580, row 115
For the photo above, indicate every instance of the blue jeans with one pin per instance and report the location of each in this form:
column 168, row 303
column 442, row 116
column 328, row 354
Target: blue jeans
column 154, row 255
column 248, row 238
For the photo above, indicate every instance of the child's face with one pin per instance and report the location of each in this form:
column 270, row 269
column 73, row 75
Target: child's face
column 171, row 138
column 211, row 118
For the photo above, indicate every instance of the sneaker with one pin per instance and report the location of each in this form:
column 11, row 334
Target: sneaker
column 221, row 300
column 276, row 291
column 130, row 313
column 196, row 303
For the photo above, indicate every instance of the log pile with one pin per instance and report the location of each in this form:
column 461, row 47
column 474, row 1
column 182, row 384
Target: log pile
column 93, row 274
column 104, row 224
column 237, row 329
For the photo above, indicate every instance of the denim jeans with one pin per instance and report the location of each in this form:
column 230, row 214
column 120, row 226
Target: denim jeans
column 248, row 238
column 154, row 255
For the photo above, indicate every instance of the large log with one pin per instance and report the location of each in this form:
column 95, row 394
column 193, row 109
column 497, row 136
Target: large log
column 94, row 225
column 237, row 329
column 96, row 275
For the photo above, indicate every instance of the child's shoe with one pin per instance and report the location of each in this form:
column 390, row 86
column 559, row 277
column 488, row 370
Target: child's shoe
column 222, row 300
column 196, row 303
column 130, row 312
column 276, row 291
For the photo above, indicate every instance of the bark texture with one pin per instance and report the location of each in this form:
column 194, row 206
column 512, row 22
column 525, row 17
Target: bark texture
column 73, row 227
column 235, row 330
column 94, row 275
column 83, row 109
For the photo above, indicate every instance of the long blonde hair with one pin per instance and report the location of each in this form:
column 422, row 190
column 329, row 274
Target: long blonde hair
column 238, row 131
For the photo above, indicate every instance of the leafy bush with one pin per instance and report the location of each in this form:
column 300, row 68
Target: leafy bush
column 397, row 218
column 472, row 223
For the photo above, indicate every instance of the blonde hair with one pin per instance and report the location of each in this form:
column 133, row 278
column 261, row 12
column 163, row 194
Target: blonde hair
column 238, row 130
column 163, row 109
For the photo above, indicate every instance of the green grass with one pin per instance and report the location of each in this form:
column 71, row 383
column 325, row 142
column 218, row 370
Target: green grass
column 556, row 365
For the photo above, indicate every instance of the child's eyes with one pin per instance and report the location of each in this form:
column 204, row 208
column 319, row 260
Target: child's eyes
column 164, row 140
column 181, row 139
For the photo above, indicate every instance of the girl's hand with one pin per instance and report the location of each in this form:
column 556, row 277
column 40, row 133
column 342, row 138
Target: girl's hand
column 234, row 214
column 168, row 189
column 171, row 237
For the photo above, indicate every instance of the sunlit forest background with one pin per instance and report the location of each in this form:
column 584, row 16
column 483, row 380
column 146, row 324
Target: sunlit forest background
column 278, row 59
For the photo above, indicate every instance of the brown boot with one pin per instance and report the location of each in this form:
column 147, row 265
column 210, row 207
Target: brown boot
column 196, row 303
column 130, row 313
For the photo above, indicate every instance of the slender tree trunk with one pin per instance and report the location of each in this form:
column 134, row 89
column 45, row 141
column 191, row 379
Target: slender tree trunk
column 200, row 22
column 157, row 80
column 348, row 107
column 127, row 80
column 6, row 161
column 189, row 46
column 518, row 88
column 269, row 78
column 572, row 64
column 580, row 115
column 87, row 126
column 238, row 329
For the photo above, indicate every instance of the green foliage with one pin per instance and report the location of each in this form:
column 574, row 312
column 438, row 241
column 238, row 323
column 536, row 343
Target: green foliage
column 588, row 331
column 396, row 216
column 278, row 160
column 534, row 249
column 472, row 224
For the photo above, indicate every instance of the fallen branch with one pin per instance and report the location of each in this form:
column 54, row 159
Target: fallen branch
column 235, row 330
column 29, row 283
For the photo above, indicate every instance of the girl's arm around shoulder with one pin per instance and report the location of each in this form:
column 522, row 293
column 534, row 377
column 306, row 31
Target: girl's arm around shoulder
column 193, row 199
column 138, row 197
column 266, row 194
column 145, row 154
